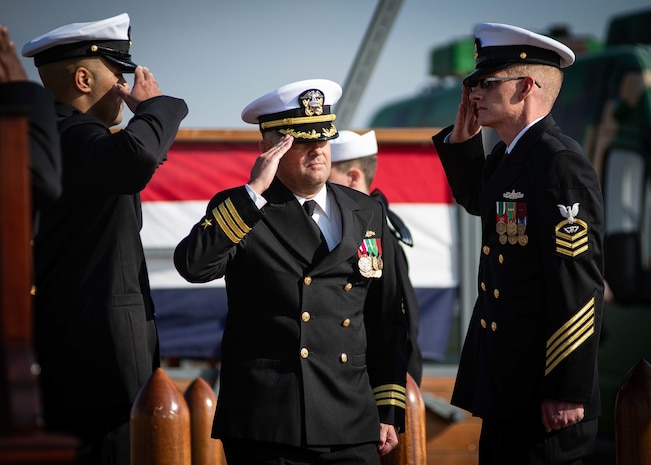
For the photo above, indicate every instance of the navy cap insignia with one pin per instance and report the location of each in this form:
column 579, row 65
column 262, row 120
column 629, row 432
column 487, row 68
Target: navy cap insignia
column 312, row 102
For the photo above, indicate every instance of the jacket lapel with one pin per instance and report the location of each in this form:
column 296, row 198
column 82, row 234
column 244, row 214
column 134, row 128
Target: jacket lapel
column 353, row 220
column 288, row 221
column 506, row 173
column 285, row 217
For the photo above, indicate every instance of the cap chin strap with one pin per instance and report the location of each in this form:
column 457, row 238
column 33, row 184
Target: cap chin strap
column 297, row 121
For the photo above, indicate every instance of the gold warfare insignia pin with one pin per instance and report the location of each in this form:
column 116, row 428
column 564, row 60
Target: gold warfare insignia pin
column 513, row 195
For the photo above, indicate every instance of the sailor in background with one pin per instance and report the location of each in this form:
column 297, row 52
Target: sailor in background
column 354, row 164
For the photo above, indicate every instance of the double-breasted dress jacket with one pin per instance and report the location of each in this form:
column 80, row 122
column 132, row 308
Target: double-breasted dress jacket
column 313, row 354
column 94, row 317
column 534, row 331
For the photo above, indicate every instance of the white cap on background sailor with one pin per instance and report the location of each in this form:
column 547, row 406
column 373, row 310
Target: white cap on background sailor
column 108, row 38
column 301, row 109
column 500, row 45
column 351, row 145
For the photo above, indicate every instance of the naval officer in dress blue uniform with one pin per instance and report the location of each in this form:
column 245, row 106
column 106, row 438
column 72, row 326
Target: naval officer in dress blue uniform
column 529, row 362
column 314, row 345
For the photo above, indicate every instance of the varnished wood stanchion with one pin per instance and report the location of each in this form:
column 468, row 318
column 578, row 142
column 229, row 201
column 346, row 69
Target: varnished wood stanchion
column 20, row 405
column 412, row 449
column 633, row 417
column 22, row 441
column 202, row 402
column 160, row 424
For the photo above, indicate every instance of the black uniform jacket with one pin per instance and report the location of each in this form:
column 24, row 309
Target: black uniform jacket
column 94, row 317
column 312, row 354
column 408, row 294
column 37, row 103
column 535, row 328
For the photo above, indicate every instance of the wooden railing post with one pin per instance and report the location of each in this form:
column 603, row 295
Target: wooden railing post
column 633, row 417
column 412, row 449
column 202, row 403
column 20, row 409
column 22, row 442
column 160, row 424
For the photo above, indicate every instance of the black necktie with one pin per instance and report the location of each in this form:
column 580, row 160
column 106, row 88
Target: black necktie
column 309, row 206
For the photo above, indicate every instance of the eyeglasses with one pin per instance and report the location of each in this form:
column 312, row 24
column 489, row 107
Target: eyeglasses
column 484, row 83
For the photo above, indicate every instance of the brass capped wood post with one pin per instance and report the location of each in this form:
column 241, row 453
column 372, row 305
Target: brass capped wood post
column 22, row 440
column 412, row 448
column 160, row 424
column 633, row 417
column 202, row 403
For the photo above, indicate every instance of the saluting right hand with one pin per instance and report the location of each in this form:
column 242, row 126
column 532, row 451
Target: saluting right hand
column 266, row 165
column 466, row 124
column 10, row 67
column 144, row 88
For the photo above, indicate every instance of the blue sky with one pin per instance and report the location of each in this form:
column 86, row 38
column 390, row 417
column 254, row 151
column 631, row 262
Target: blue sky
column 220, row 54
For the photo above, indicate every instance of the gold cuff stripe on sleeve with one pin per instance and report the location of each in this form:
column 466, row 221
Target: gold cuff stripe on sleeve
column 570, row 336
column 391, row 394
column 389, row 387
column 230, row 221
column 394, row 402
column 298, row 120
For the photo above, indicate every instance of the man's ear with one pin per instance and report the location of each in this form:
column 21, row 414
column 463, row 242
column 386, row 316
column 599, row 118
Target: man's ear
column 528, row 85
column 356, row 177
column 83, row 79
column 264, row 145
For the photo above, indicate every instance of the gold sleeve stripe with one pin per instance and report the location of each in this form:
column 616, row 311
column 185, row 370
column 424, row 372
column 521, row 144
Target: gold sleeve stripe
column 570, row 336
column 390, row 387
column 230, row 221
column 394, row 402
column 390, row 394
